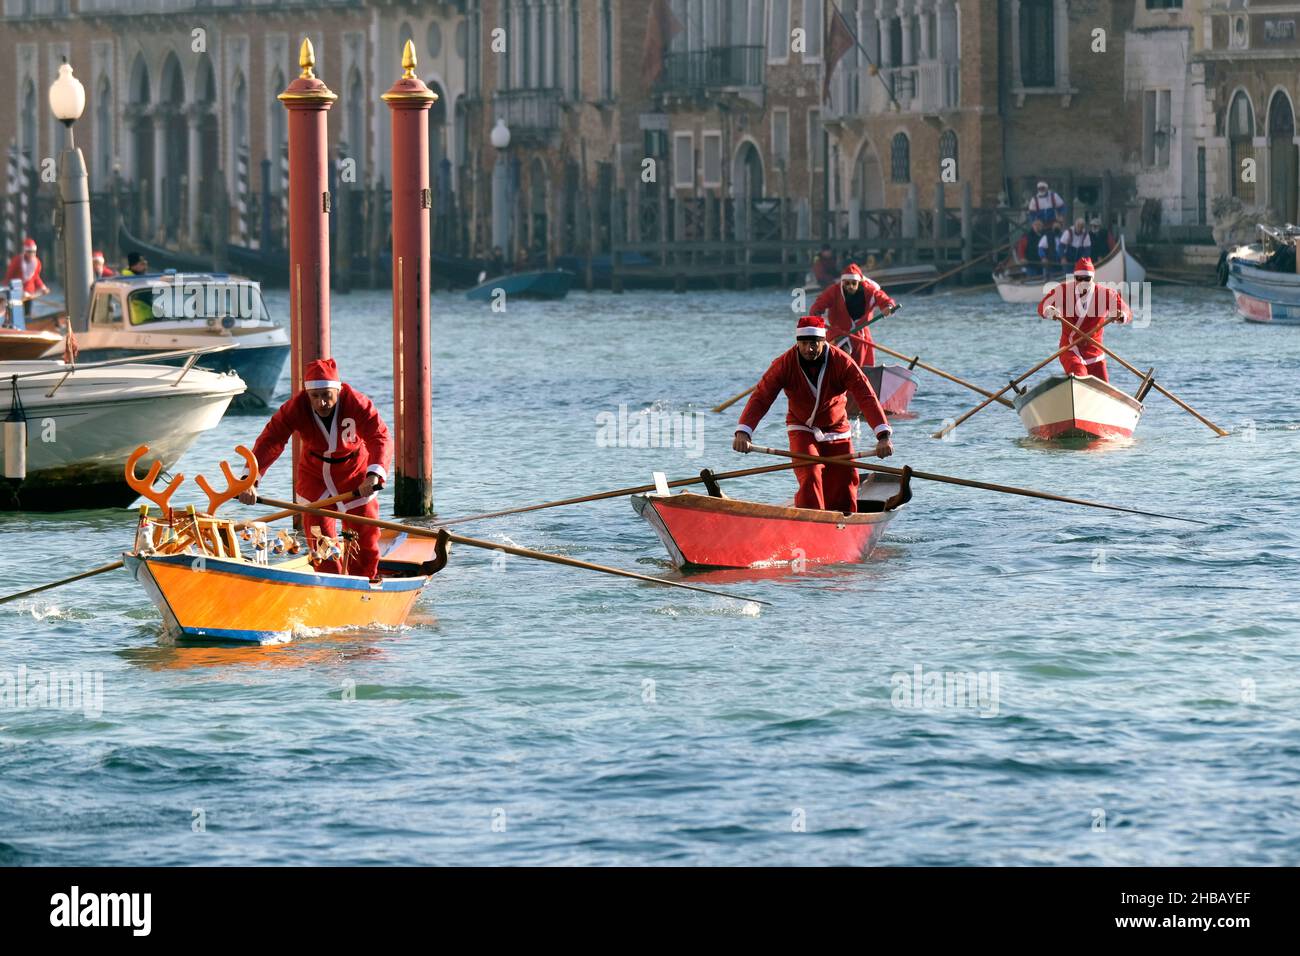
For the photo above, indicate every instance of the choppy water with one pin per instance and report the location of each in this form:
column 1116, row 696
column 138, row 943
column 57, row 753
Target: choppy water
column 1146, row 670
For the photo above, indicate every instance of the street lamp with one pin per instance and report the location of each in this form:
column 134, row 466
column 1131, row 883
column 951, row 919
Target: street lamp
column 500, row 139
column 67, row 101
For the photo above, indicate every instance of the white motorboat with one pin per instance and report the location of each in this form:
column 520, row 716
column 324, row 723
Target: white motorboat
column 82, row 421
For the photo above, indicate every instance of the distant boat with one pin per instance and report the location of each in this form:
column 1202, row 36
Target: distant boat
column 95, row 416
column 1264, row 293
column 132, row 316
column 553, row 284
column 454, row 272
column 890, row 278
column 18, row 344
column 1118, row 265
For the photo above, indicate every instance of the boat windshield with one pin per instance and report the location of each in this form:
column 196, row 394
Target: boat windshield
column 171, row 302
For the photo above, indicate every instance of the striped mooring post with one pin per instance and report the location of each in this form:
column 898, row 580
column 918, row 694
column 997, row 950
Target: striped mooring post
column 284, row 196
column 10, row 230
column 241, row 193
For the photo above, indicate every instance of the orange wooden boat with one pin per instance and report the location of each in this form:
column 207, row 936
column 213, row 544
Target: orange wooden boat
column 207, row 589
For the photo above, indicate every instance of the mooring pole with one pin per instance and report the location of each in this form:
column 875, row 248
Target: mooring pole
column 308, row 99
column 410, row 100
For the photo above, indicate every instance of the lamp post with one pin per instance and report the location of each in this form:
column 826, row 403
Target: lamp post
column 67, row 101
column 500, row 138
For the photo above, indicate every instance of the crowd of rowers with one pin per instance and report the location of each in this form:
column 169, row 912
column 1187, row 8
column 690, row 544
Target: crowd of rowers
column 1049, row 247
column 833, row 346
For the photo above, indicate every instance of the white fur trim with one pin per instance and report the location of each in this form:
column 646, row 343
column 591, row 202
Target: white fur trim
column 321, row 383
column 884, row 427
column 377, row 470
column 746, row 429
column 809, row 332
column 850, row 275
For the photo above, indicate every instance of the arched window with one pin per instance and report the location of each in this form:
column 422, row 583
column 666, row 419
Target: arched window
column 900, row 159
column 948, row 150
column 1241, row 135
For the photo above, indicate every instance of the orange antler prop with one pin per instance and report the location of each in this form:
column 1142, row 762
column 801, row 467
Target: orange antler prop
column 233, row 487
column 145, row 488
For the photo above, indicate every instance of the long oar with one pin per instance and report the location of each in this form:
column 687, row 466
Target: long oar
column 941, row 373
column 616, row 493
column 1012, row 384
column 276, row 516
column 54, row 584
column 1156, row 385
column 419, row 532
column 965, row 265
column 853, row 331
column 966, row 482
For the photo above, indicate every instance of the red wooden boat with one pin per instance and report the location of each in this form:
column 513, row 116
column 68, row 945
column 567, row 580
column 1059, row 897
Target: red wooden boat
column 894, row 385
column 713, row 531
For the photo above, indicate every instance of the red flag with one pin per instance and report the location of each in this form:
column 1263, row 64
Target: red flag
column 659, row 31
column 839, row 40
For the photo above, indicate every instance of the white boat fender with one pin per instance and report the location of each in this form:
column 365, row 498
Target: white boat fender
column 15, row 437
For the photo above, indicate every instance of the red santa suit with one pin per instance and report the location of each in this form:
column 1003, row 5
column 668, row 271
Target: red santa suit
column 28, row 270
column 816, row 419
column 97, row 268
column 840, row 314
column 1087, row 306
column 337, row 455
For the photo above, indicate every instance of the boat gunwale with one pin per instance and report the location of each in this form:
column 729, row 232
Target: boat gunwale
column 740, row 508
column 1105, row 389
column 294, row 578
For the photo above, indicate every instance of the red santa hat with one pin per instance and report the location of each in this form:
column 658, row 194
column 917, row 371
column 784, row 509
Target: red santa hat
column 322, row 373
column 1084, row 267
column 851, row 271
column 97, row 256
column 29, row 244
column 810, row 327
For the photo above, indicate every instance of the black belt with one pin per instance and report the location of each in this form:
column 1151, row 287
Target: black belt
column 333, row 461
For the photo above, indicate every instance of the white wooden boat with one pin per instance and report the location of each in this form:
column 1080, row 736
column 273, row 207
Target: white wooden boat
column 1116, row 266
column 1078, row 408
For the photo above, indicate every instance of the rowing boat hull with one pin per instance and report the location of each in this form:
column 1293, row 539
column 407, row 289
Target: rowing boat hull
column 894, row 385
column 219, row 599
column 19, row 345
column 1078, row 408
column 700, row 531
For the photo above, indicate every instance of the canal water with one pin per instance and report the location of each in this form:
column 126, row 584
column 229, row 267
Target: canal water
column 1131, row 682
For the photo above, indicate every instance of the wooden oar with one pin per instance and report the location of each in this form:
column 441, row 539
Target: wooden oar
column 616, row 493
column 419, row 532
column 941, row 373
column 1012, row 384
column 966, row 482
column 965, row 265
column 278, row 515
column 735, row 398
column 1142, row 375
column 54, row 584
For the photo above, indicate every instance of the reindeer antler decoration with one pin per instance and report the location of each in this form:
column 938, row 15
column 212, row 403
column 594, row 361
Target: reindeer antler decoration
column 233, row 487
column 145, row 488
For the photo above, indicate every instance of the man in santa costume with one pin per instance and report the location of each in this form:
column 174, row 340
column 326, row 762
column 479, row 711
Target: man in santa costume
column 345, row 447
column 1087, row 306
column 97, row 268
column 815, row 378
column 27, row 266
column 848, row 302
